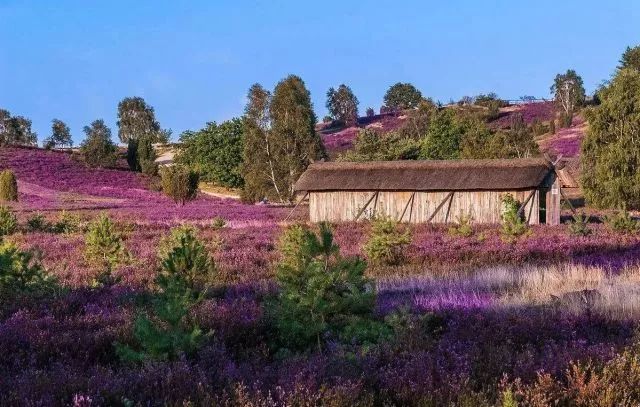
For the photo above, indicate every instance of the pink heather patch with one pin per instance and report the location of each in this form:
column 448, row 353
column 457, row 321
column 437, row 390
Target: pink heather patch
column 542, row 111
column 567, row 142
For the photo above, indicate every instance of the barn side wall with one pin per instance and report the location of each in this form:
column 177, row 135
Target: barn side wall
column 484, row 206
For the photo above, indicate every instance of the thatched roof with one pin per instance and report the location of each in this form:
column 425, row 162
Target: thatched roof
column 449, row 175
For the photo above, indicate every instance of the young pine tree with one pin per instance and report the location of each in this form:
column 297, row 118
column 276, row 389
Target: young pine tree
column 8, row 186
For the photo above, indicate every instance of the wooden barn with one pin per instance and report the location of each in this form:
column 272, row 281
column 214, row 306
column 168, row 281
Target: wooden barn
column 431, row 191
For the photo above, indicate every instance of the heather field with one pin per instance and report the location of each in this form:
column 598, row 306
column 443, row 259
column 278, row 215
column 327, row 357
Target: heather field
column 548, row 318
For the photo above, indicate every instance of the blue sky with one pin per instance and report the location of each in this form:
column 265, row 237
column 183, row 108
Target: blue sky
column 194, row 60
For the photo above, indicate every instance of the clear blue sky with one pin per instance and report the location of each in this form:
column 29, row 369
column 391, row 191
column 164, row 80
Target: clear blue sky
column 194, row 61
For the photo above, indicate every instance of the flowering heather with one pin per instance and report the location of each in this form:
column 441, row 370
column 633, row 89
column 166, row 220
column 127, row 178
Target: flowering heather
column 542, row 111
column 342, row 140
column 567, row 142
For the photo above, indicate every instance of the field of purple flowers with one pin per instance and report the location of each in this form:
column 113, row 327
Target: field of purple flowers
column 477, row 318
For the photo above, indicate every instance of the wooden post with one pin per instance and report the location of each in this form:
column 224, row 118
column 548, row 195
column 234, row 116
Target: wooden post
column 375, row 194
column 529, row 215
column 446, row 217
column 294, row 208
column 553, row 204
column 573, row 210
column 521, row 208
column 435, row 212
column 410, row 201
column 413, row 199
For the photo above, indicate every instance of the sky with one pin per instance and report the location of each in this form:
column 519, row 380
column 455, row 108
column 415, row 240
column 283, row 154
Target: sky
column 194, row 61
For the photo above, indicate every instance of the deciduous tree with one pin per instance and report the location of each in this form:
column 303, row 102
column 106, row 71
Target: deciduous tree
column 630, row 58
column 60, row 135
column 569, row 93
column 97, row 149
column 343, row 105
column 402, row 96
column 136, row 119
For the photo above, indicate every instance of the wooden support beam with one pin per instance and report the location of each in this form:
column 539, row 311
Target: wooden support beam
column 529, row 215
column 409, row 201
column 294, row 208
column 573, row 209
column 375, row 194
column 521, row 208
column 413, row 199
column 446, row 217
column 435, row 212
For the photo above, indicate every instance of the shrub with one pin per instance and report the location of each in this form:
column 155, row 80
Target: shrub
column 8, row 221
column 513, row 226
column 387, row 242
column 579, row 225
column 552, row 126
column 104, row 248
column 8, row 186
column 97, row 149
column 622, row 222
column 37, row 222
column 67, row 223
column 323, row 297
column 463, row 226
column 183, row 278
column 218, row 223
column 179, row 183
column 20, row 273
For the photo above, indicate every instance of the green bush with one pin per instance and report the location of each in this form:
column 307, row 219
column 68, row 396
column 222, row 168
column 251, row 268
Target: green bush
column 37, row 223
column 513, row 225
column 8, row 186
column 323, row 297
column 463, row 226
column 185, row 274
column 20, row 274
column 67, row 223
column 387, row 242
column 218, row 223
column 179, row 183
column 622, row 222
column 579, row 226
column 104, row 249
column 8, row 221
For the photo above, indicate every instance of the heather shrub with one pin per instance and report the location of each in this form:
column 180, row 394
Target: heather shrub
column 21, row 274
column 463, row 226
column 552, row 126
column 8, row 186
column 579, row 226
column 183, row 278
column 622, row 222
column 104, row 248
column 387, row 243
column 218, row 223
column 8, row 221
column 323, row 297
column 37, row 223
column 513, row 225
column 179, row 183
column 67, row 223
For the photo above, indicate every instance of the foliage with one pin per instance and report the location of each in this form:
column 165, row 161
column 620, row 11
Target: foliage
column 622, row 222
column 218, row 223
column 463, row 226
column 185, row 274
column 370, row 112
column 104, row 248
column 568, row 91
column 323, row 296
column 137, row 120
column 372, row 145
column 342, row 105
column 8, row 186
column 179, row 183
column 387, row 243
column 611, row 149
column 630, row 58
column 489, row 100
column 402, row 96
column 97, row 148
column 442, row 141
column 37, row 223
column 16, row 130
column 67, row 223
column 215, row 152
column 513, row 225
column 60, row 135
column 8, row 221
column 20, row 273
column 552, row 126
column 579, row 225
column 280, row 139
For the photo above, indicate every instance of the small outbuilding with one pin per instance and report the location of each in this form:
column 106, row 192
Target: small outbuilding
column 435, row 191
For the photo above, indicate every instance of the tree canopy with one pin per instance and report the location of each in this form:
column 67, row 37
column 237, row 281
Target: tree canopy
column 97, row 148
column 60, row 135
column 281, row 140
column 215, row 152
column 16, row 130
column 630, row 58
column 136, row 119
column 568, row 91
column 611, row 149
column 343, row 105
column 402, row 96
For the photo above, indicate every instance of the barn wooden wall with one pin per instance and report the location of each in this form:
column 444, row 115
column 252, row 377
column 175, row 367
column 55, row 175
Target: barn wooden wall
column 484, row 206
